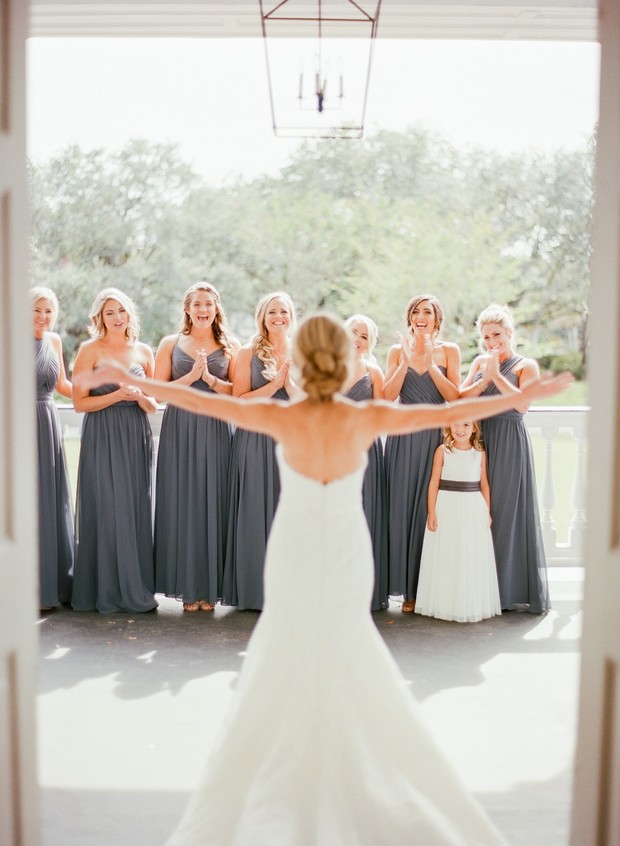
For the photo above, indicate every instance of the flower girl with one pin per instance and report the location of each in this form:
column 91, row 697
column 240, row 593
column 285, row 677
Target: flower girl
column 458, row 578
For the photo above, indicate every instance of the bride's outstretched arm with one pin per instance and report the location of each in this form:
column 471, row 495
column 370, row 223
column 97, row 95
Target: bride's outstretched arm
column 398, row 420
column 257, row 415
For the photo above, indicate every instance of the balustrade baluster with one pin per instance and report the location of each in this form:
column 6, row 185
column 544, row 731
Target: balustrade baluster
column 547, row 491
column 578, row 523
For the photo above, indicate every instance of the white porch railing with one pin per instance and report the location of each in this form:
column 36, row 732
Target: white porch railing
column 561, row 477
column 559, row 440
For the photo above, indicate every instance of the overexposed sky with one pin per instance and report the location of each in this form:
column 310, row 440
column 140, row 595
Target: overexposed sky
column 211, row 96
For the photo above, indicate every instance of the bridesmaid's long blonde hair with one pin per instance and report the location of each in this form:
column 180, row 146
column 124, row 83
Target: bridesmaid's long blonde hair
column 40, row 293
column 371, row 330
column 97, row 327
column 262, row 348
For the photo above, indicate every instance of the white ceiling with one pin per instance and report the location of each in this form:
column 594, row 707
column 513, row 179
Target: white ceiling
column 567, row 20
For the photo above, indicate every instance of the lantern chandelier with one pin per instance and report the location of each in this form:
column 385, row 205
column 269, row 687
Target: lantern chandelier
column 319, row 57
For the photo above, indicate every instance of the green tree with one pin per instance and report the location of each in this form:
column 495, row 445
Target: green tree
column 352, row 226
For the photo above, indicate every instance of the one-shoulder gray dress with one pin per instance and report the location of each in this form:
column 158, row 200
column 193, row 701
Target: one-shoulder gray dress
column 408, row 465
column 253, row 497
column 56, row 540
column 114, row 566
column 517, row 536
column 191, row 499
column 374, row 496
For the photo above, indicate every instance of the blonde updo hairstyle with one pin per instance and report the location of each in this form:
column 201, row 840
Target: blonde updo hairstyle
column 261, row 346
column 322, row 352
column 499, row 314
column 40, row 293
column 221, row 330
column 371, row 330
column 436, row 306
column 97, row 328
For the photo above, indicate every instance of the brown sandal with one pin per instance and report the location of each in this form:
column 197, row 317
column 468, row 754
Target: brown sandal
column 191, row 606
column 205, row 606
column 408, row 606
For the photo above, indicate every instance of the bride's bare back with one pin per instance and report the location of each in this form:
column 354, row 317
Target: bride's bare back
column 324, row 440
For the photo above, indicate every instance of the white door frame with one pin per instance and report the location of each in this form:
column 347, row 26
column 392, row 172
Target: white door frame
column 19, row 805
column 596, row 805
column 596, row 797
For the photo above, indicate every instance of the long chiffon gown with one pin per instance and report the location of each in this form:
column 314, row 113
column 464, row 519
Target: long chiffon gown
column 408, row 465
column 374, row 498
column 517, row 536
column 114, row 566
column 253, row 498
column 324, row 744
column 191, row 499
column 56, row 540
column 458, row 578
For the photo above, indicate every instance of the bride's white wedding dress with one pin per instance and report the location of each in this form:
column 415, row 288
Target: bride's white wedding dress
column 324, row 744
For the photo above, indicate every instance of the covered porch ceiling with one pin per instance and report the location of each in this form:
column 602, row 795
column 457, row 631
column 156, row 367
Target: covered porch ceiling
column 545, row 20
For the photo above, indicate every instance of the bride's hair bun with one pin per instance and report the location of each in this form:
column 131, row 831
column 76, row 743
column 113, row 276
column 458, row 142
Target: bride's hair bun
column 324, row 361
column 322, row 353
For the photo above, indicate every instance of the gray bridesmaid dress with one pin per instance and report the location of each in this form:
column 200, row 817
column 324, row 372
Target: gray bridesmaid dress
column 114, row 566
column 517, row 536
column 408, row 465
column 374, row 498
column 56, row 540
column 253, row 497
column 191, row 498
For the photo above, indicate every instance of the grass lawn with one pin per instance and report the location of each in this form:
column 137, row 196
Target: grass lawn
column 575, row 395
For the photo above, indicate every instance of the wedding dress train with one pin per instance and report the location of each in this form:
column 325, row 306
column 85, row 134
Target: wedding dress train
column 324, row 744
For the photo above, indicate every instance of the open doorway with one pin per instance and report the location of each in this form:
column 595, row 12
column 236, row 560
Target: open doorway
column 227, row 173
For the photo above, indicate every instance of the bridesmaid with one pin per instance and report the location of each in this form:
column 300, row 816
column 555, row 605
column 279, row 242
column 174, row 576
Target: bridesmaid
column 366, row 382
column 194, row 455
column 56, row 540
column 517, row 536
column 114, row 566
column 262, row 369
column 420, row 369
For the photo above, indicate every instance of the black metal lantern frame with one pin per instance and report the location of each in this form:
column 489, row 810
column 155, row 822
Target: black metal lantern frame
column 319, row 58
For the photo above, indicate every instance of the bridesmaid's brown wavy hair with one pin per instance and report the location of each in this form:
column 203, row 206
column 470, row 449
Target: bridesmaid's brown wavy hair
column 436, row 305
column 221, row 330
column 262, row 348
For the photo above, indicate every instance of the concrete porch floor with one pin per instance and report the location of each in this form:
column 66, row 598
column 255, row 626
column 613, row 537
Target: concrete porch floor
column 128, row 705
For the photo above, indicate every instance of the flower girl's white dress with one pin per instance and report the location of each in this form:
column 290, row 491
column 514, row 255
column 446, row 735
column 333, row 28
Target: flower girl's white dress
column 458, row 576
column 324, row 744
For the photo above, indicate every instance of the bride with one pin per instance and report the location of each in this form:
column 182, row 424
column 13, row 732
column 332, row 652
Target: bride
column 324, row 744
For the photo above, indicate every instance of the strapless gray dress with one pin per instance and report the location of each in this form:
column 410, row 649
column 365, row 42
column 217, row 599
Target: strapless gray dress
column 114, row 566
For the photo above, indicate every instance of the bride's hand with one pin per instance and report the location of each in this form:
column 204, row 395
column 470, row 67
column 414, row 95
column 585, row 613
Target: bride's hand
column 105, row 373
